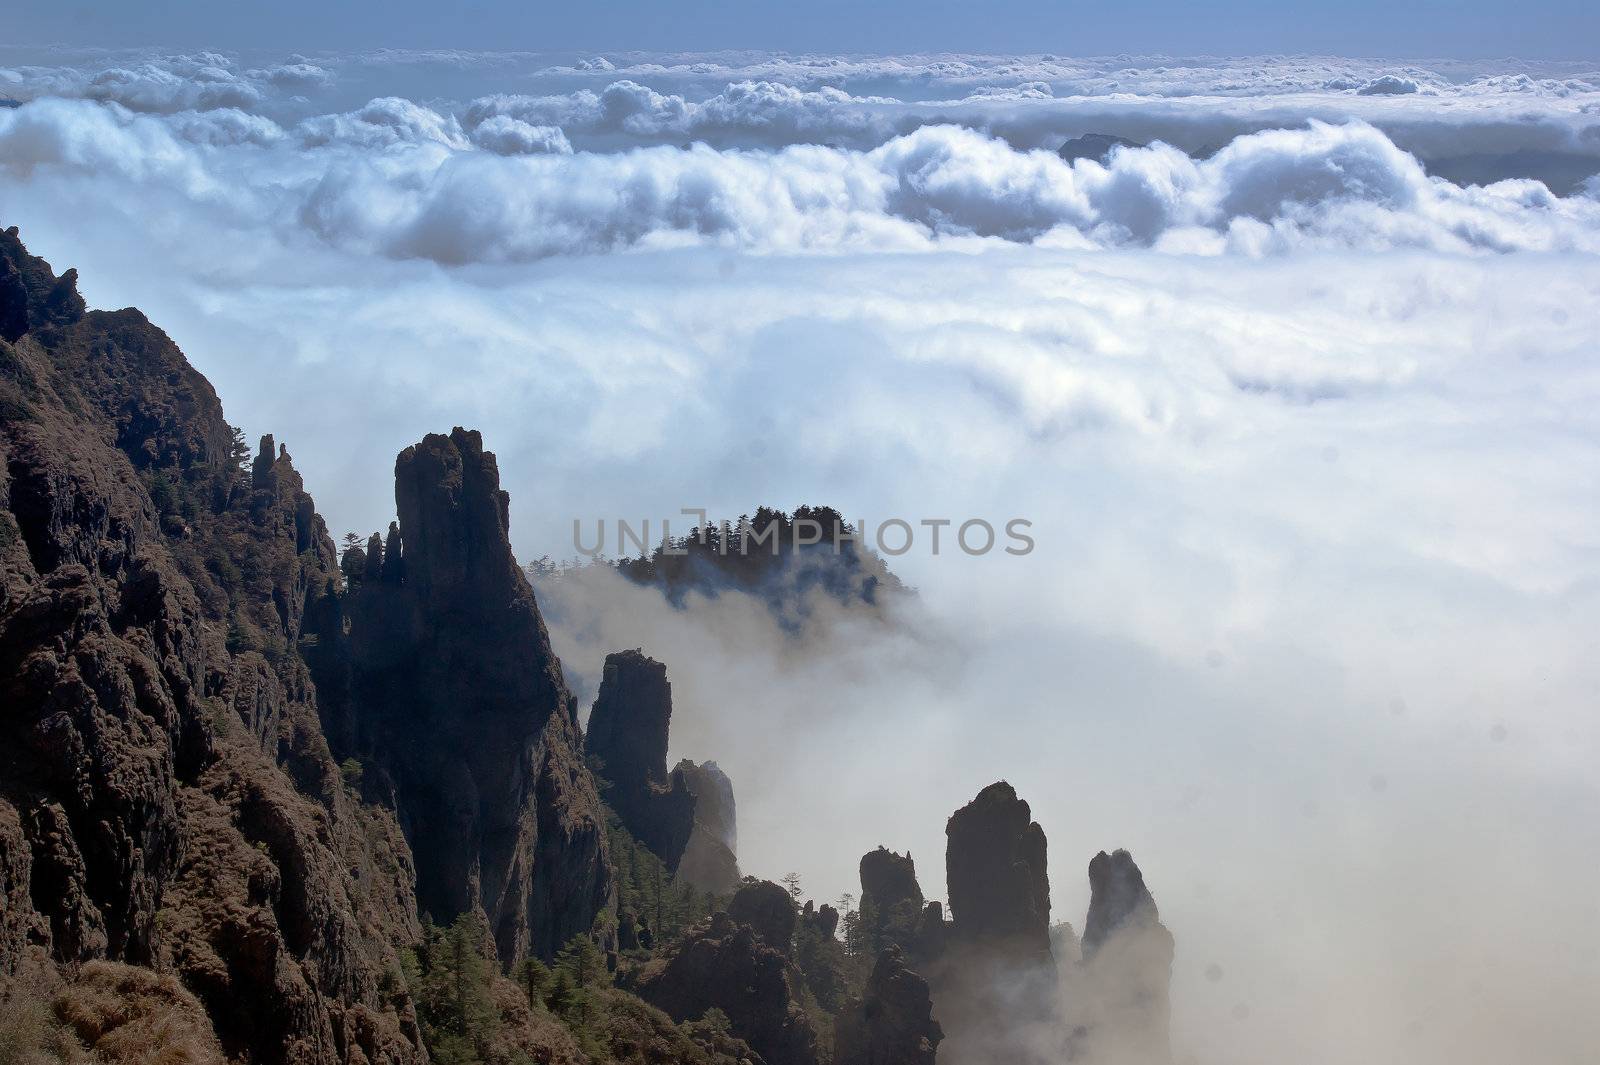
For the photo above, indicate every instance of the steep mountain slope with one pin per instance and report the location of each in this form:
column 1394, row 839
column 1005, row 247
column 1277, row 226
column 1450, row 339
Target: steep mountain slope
column 442, row 681
column 166, row 796
column 176, row 635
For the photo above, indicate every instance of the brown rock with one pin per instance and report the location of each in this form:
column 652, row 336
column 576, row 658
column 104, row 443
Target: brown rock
column 769, row 910
column 995, row 867
column 892, row 1023
column 995, row 982
column 168, row 794
column 455, row 695
column 891, row 900
column 627, row 737
column 725, row 965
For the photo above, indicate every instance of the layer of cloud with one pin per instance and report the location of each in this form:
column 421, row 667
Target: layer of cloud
column 747, row 113
column 168, row 84
column 404, row 181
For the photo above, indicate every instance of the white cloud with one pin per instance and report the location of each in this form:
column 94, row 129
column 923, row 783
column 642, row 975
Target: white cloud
column 1336, row 186
column 505, row 135
column 383, row 123
column 406, row 181
column 1389, row 85
column 224, row 127
column 105, row 141
column 297, row 75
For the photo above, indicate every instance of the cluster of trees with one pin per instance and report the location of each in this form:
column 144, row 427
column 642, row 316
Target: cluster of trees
column 760, row 554
column 471, row 1013
column 661, row 906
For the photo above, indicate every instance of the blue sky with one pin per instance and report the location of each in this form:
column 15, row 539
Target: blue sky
column 1436, row 28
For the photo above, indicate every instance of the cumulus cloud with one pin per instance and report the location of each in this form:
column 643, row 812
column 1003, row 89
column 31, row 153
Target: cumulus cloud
column 505, row 135
column 1389, row 85
column 224, row 127
column 161, row 86
column 297, row 75
column 1473, row 122
column 406, row 181
column 383, row 123
column 107, row 141
column 755, row 113
column 1333, row 186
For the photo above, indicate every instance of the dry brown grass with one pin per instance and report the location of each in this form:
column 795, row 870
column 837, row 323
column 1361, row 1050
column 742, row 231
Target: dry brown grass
column 120, row 1015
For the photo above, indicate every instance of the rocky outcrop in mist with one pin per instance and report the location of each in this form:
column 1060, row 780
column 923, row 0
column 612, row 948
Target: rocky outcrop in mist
column 710, row 859
column 997, row 875
column 892, row 1023
column 1127, row 965
column 237, row 771
column 1004, row 984
column 768, row 909
column 734, row 966
column 891, row 900
column 627, row 742
column 993, row 977
column 1095, row 146
column 794, row 563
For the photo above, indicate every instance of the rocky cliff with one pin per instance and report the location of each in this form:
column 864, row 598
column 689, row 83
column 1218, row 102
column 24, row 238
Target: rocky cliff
column 450, row 691
column 891, row 900
column 738, row 962
column 167, row 799
column 237, row 769
column 991, row 970
column 710, row 859
column 627, row 739
column 892, row 1022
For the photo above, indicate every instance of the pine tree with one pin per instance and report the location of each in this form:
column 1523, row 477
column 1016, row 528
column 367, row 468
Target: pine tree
column 582, row 961
column 458, row 1014
column 535, row 977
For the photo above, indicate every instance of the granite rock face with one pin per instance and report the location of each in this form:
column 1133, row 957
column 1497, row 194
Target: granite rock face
column 892, row 1023
column 726, row 965
column 628, row 734
column 167, row 800
column 449, row 688
column 710, row 860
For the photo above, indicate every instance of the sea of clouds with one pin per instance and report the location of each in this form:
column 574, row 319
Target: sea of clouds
column 1301, row 400
column 1249, row 158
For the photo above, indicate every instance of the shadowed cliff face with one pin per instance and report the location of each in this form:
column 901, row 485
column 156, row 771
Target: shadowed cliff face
column 628, row 736
column 454, row 693
column 166, row 795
